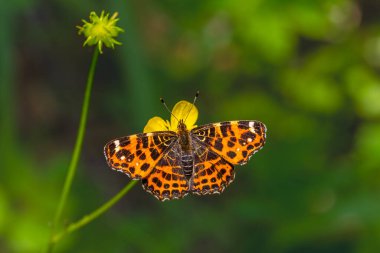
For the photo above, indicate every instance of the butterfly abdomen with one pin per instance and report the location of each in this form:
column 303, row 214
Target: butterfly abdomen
column 187, row 162
column 187, row 159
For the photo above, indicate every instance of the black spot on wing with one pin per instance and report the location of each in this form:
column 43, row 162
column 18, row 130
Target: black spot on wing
column 211, row 132
column 122, row 152
column 166, row 193
column 156, row 140
column 230, row 144
column 206, row 187
column 225, row 128
column 154, row 154
column 258, row 126
column 247, row 135
column 157, row 181
column 231, row 154
column 125, row 142
column 215, row 186
column 145, row 142
column 211, row 156
column 130, row 157
column 111, row 148
column 218, row 144
column 243, row 124
column 144, row 167
column 138, row 145
column 242, row 142
column 202, row 173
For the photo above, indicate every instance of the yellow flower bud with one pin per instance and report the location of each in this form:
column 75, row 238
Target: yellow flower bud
column 100, row 30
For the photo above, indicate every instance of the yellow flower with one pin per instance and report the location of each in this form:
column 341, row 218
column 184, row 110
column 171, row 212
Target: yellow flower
column 100, row 30
column 183, row 110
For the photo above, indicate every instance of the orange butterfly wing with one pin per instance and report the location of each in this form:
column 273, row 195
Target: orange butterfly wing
column 167, row 180
column 136, row 155
column 234, row 141
column 212, row 174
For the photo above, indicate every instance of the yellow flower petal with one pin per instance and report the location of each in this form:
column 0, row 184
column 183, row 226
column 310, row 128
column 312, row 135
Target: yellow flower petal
column 156, row 124
column 186, row 111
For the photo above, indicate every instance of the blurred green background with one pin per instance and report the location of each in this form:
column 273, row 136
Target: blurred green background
column 308, row 69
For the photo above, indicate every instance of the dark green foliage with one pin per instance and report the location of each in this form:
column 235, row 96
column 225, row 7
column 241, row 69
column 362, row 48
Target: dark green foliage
column 307, row 69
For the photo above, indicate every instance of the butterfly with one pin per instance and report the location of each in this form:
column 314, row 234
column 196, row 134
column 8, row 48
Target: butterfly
column 172, row 164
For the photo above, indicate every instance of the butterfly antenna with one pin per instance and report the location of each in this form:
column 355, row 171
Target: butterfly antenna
column 163, row 102
column 192, row 105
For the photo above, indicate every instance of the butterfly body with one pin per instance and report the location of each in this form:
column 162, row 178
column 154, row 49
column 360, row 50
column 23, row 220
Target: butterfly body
column 184, row 137
column 200, row 161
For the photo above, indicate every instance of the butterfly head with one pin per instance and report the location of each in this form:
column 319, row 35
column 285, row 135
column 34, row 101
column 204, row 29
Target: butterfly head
column 181, row 126
column 183, row 117
column 181, row 112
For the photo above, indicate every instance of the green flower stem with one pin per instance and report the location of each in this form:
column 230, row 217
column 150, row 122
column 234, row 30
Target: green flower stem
column 95, row 214
column 77, row 148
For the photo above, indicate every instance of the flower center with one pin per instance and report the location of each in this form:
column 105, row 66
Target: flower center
column 99, row 30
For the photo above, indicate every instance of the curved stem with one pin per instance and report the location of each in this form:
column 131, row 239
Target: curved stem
column 92, row 216
column 77, row 150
